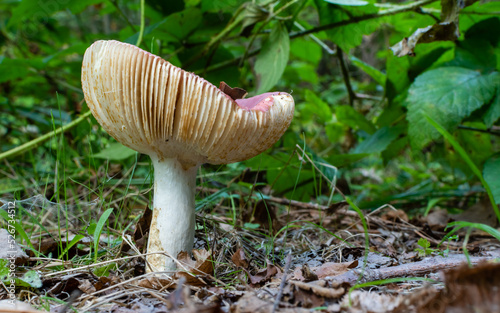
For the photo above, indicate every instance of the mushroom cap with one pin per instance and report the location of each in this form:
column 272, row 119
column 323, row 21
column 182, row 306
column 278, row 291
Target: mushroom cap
column 156, row 108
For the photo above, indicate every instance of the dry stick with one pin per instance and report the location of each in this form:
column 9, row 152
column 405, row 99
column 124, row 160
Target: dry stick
column 294, row 203
column 283, row 281
column 416, row 269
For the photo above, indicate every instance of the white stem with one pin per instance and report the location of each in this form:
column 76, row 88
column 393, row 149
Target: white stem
column 173, row 222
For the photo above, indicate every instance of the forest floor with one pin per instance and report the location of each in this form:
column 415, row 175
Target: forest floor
column 392, row 264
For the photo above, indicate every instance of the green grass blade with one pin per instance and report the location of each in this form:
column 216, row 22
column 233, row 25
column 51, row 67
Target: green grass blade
column 486, row 228
column 71, row 244
column 467, row 160
column 98, row 229
column 37, row 141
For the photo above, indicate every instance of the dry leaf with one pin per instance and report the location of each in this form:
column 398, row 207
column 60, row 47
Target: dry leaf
column 202, row 265
column 308, row 274
column 326, row 269
column 264, row 274
column 235, row 93
column 394, row 215
column 239, row 259
column 250, row 303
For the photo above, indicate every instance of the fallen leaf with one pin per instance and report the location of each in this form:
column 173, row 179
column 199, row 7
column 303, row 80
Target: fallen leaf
column 320, row 288
column 308, row 274
column 264, row 274
column 394, row 215
column 239, row 259
column 250, row 303
column 201, row 266
column 324, row 270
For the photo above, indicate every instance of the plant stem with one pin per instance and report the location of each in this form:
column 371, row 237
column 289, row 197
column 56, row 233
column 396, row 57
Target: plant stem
column 345, row 75
column 487, row 131
column 37, row 141
column 141, row 31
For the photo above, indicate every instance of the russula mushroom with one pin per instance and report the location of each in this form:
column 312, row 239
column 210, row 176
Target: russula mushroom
column 181, row 121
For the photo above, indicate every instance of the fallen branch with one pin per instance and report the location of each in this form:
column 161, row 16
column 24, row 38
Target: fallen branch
column 415, row 269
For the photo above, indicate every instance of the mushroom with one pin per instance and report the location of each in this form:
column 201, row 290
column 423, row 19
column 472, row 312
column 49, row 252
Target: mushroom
column 181, row 121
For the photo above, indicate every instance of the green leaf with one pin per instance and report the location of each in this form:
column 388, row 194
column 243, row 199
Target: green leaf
column 491, row 172
column 377, row 75
column 35, row 10
column 12, row 69
column 180, row 25
column 347, row 115
column 348, row 2
column 220, row 5
column 98, row 229
column 340, row 160
column 29, row 279
column 321, row 109
column 493, row 113
column 397, row 80
column 272, row 59
column 306, row 50
column 447, row 95
column 424, row 243
column 115, row 152
column 351, row 35
column 379, row 141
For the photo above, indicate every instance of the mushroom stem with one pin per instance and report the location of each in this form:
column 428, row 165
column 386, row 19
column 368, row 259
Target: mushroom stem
column 173, row 223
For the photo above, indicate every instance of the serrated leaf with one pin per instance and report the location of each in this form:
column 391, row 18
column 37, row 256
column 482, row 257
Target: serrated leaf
column 493, row 113
column 447, row 95
column 115, row 152
column 272, row 59
column 347, row 115
column 491, row 172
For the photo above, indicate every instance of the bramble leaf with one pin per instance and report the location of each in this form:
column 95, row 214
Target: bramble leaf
column 448, row 95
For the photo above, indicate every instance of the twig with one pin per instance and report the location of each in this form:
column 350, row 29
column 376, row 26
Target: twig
column 345, row 75
column 401, row 9
column 316, row 39
column 37, row 141
column 283, row 281
column 415, row 269
column 357, row 19
column 487, row 131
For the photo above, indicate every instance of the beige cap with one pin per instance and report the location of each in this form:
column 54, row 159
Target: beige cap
column 158, row 109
